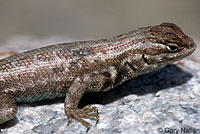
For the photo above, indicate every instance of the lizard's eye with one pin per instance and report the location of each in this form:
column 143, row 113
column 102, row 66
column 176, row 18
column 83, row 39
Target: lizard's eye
column 172, row 47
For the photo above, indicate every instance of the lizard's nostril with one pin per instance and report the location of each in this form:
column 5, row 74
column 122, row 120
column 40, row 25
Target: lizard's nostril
column 192, row 44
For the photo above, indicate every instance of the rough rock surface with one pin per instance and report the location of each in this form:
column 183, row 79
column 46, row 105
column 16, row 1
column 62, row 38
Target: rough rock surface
column 163, row 101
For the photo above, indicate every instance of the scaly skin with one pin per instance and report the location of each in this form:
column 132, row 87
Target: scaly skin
column 71, row 69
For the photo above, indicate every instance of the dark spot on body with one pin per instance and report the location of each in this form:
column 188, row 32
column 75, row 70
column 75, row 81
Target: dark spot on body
column 73, row 64
column 58, row 69
column 145, row 59
column 130, row 66
column 107, row 74
column 80, row 53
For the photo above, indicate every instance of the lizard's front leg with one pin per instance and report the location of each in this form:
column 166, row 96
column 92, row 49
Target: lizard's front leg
column 74, row 94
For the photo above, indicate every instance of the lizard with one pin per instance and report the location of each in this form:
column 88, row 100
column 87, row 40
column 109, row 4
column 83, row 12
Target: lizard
column 71, row 69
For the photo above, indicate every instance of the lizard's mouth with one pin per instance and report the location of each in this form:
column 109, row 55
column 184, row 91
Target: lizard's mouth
column 188, row 49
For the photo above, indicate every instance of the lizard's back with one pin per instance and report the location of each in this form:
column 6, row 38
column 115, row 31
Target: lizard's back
column 37, row 74
column 46, row 72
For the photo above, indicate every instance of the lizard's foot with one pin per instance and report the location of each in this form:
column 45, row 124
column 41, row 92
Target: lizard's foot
column 87, row 112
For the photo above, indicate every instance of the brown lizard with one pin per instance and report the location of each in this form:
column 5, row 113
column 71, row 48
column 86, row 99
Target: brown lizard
column 71, row 69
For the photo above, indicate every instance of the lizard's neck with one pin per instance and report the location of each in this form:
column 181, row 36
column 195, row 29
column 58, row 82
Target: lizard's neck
column 123, row 55
column 122, row 46
column 126, row 53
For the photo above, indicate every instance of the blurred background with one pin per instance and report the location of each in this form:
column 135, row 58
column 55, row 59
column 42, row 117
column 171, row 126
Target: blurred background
column 27, row 24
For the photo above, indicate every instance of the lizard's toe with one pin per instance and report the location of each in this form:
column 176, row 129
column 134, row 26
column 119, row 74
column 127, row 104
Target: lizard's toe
column 86, row 112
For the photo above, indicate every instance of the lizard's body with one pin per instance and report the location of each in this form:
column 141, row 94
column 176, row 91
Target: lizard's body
column 71, row 69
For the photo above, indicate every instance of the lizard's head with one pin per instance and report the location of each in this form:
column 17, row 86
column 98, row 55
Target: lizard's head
column 167, row 43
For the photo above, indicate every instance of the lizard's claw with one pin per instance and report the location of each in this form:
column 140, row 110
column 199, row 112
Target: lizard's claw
column 87, row 113
column 69, row 122
column 69, row 118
